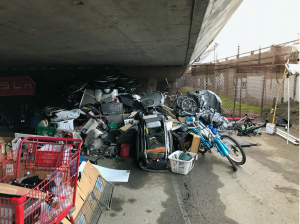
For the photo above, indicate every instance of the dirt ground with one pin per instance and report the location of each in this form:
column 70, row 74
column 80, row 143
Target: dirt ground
column 264, row 190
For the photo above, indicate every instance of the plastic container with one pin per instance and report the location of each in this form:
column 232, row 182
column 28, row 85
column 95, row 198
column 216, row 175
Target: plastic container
column 57, row 177
column 112, row 108
column 182, row 166
column 154, row 124
column 125, row 150
column 45, row 131
column 270, row 128
column 68, row 124
column 90, row 125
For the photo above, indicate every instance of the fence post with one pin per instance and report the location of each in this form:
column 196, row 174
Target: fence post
column 262, row 96
column 240, row 112
column 235, row 91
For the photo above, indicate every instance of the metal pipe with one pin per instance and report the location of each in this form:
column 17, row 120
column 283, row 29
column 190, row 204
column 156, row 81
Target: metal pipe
column 290, row 136
column 288, row 127
column 292, row 141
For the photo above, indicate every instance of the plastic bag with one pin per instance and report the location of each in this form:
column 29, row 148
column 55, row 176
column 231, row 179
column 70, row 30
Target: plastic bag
column 67, row 115
column 219, row 118
column 210, row 99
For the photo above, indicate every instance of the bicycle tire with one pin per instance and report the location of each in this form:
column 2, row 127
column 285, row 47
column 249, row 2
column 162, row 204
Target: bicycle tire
column 189, row 105
column 202, row 149
column 234, row 148
column 180, row 99
column 235, row 168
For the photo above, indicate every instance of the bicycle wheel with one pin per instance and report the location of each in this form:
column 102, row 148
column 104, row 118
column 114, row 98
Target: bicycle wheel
column 202, row 148
column 189, row 105
column 180, row 99
column 236, row 152
column 235, row 168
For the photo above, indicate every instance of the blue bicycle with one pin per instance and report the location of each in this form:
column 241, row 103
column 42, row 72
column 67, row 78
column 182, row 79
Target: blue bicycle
column 226, row 145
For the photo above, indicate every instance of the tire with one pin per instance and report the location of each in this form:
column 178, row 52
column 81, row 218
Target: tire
column 137, row 146
column 235, row 168
column 189, row 105
column 202, row 149
column 236, row 152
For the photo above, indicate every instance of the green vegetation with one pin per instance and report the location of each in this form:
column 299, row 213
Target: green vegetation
column 228, row 103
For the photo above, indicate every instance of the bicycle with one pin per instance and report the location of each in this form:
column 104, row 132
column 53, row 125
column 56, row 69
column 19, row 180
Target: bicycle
column 186, row 104
column 225, row 145
column 238, row 125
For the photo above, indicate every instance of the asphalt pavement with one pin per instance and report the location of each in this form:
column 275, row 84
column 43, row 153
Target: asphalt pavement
column 264, row 190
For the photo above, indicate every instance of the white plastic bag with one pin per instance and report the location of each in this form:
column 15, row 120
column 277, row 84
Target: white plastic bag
column 67, row 115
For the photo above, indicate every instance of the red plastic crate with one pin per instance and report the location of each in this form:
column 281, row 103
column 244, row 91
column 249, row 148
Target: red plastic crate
column 56, row 160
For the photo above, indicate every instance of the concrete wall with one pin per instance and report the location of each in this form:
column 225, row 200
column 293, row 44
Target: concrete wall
column 297, row 89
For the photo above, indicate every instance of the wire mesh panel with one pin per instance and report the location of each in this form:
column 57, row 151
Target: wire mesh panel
column 90, row 211
column 103, row 191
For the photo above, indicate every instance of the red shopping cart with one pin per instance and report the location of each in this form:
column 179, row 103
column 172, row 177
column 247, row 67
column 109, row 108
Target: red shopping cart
column 55, row 162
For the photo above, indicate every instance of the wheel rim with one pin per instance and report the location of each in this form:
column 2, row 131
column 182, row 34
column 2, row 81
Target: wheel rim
column 234, row 151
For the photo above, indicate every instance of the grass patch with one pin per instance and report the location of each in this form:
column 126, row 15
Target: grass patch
column 229, row 103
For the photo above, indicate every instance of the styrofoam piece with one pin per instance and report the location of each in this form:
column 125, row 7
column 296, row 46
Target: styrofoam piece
column 182, row 166
column 90, row 125
column 270, row 128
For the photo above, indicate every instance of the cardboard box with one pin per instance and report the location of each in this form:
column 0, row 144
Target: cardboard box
column 195, row 142
column 8, row 189
column 125, row 128
column 270, row 118
column 85, row 185
column 3, row 143
column 182, row 119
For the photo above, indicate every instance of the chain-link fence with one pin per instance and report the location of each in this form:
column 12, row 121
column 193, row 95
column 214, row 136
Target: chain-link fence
column 247, row 84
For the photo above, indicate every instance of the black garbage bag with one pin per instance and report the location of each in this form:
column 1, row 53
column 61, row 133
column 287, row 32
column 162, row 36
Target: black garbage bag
column 281, row 122
column 206, row 117
column 111, row 136
column 127, row 99
column 129, row 136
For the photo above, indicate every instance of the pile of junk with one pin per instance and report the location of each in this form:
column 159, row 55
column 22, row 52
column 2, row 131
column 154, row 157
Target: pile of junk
column 115, row 122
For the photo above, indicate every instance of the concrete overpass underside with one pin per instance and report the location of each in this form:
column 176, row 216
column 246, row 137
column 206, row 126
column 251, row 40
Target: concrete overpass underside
column 90, row 33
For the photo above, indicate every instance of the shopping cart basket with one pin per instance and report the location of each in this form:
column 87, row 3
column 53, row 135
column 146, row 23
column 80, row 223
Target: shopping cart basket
column 56, row 161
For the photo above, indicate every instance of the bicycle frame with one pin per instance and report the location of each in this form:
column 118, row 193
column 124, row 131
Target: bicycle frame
column 213, row 140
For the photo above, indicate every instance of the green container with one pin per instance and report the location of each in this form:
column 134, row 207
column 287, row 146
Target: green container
column 45, row 131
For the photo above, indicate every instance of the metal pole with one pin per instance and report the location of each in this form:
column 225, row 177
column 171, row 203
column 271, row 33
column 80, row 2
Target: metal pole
column 274, row 114
column 288, row 127
column 240, row 112
column 262, row 97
